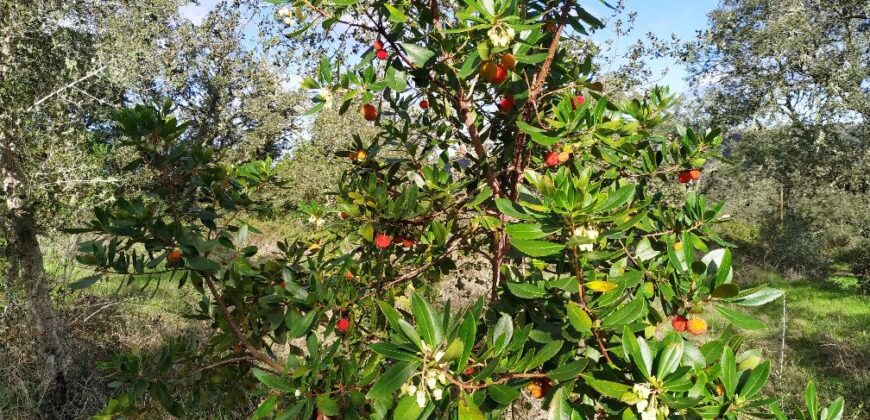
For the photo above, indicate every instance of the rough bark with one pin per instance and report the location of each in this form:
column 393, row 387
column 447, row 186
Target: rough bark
column 23, row 243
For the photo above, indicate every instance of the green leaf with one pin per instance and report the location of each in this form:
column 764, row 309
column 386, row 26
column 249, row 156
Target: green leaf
column 624, row 315
column 418, row 55
column 396, row 14
column 835, row 410
column 468, row 335
column 266, row 408
column 396, row 80
column 468, row 409
column 526, row 231
column 392, row 380
column 204, row 265
column 407, row 409
column 607, row 388
column 617, row 199
column 569, row 371
column 728, row 372
column 537, row 135
column 509, row 208
column 272, row 381
column 544, row 354
column 526, row 290
column 644, row 250
column 393, row 316
column 327, row 405
column 502, row 394
column 560, row 408
column 484, row 193
column 504, row 331
column 537, row 248
column 578, row 317
column 812, row 401
column 428, row 321
column 670, row 357
column 394, row 352
column 740, row 320
column 756, row 380
column 297, row 327
column 756, row 296
column 726, row 290
column 86, row 282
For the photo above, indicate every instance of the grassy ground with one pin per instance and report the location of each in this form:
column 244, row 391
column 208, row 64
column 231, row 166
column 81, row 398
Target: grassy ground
column 826, row 339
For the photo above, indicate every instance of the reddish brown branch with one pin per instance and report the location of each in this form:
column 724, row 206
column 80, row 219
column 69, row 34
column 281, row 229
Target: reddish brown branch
column 255, row 353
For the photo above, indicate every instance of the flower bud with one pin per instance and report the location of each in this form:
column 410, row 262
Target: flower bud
column 438, row 394
column 421, row 398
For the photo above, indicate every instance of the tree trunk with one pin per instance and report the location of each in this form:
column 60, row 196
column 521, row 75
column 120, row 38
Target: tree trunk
column 24, row 248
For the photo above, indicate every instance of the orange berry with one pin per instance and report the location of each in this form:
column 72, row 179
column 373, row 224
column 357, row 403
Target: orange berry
column 174, row 256
column 508, row 61
column 535, row 389
column 488, row 70
column 564, row 156
column 408, row 243
column 348, row 275
column 720, row 390
column 369, row 112
column 695, row 174
column 378, row 45
column 696, row 326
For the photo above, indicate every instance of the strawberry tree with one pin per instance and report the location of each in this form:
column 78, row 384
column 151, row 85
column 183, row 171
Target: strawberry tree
column 494, row 144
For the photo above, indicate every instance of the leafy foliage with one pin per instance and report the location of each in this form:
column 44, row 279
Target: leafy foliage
column 574, row 199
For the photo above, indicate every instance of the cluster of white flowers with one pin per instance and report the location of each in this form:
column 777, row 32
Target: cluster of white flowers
column 648, row 404
column 428, row 382
column 316, row 221
column 501, row 35
column 284, row 13
column 584, row 232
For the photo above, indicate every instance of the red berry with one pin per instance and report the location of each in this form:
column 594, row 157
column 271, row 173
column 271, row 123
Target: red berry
column 378, row 45
column 282, row 285
column 684, row 177
column 507, row 104
column 369, row 112
column 500, row 75
column 424, row 104
column 407, row 243
column 383, row 241
column 577, row 101
column 343, row 325
column 469, row 371
column 382, row 54
column 552, row 159
column 679, row 323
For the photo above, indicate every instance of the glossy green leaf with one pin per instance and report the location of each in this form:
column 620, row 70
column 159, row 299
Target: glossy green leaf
column 391, row 380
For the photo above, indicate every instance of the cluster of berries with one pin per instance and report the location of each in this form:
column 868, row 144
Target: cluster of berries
column 383, row 241
column 380, row 51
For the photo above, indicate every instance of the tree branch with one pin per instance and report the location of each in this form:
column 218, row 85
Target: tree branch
column 257, row 354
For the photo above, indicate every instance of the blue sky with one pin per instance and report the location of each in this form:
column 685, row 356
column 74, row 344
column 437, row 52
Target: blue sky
column 661, row 17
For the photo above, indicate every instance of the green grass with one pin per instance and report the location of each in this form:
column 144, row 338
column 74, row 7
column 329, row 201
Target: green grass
column 827, row 339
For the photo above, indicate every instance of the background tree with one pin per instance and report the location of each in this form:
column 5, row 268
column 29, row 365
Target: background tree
column 64, row 66
column 791, row 78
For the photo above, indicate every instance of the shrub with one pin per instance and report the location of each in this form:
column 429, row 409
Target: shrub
column 560, row 189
